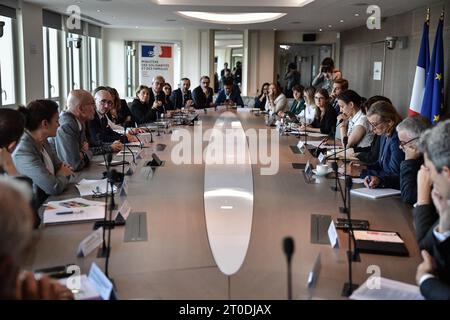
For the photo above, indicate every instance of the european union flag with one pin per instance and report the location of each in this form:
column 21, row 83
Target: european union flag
column 433, row 98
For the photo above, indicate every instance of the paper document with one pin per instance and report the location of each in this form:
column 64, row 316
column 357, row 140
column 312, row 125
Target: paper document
column 73, row 210
column 376, row 193
column 355, row 180
column 386, row 289
column 127, row 153
column 316, row 135
column 379, row 236
column 114, row 163
column 134, row 144
column 94, row 187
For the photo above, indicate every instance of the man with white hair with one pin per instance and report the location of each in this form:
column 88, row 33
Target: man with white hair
column 409, row 132
column 16, row 242
column 71, row 142
column 433, row 274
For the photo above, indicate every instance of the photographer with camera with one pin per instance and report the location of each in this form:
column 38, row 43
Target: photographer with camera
column 327, row 75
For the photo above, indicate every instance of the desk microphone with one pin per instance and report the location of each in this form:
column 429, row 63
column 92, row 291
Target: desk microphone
column 288, row 248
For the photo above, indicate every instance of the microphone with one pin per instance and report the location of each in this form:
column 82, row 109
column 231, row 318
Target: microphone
column 288, row 248
column 339, row 122
column 318, row 147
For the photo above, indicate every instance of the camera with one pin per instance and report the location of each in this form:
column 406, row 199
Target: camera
column 2, row 24
column 390, row 42
column 74, row 42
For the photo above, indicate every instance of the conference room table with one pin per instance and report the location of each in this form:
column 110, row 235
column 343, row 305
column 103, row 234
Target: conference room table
column 176, row 261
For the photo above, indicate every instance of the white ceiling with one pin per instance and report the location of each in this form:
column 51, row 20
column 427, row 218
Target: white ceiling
column 311, row 17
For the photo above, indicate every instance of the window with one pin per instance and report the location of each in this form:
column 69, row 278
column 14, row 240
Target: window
column 51, row 63
column 75, row 61
column 7, row 63
column 93, row 61
column 130, row 69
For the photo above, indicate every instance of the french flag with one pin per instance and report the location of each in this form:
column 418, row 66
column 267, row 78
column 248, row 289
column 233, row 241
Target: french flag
column 423, row 64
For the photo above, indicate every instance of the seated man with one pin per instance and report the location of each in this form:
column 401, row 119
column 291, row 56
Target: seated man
column 339, row 86
column 433, row 275
column 156, row 95
column 182, row 97
column 203, row 94
column 100, row 133
column 229, row 96
column 16, row 239
column 409, row 132
column 71, row 142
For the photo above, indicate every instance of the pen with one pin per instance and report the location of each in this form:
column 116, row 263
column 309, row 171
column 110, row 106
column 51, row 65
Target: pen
column 68, row 212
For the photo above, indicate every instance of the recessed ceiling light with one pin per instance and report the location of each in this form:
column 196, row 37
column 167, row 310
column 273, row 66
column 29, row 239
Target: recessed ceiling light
column 232, row 18
column 341, row 21
column 356, row 14
column 99, row 10
column 330, row 26
column 320, row 30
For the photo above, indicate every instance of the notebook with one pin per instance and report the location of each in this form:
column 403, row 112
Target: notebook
column 375, row 193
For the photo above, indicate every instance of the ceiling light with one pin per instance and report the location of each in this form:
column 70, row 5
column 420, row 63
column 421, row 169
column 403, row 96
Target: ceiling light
column 341, row 21
column 320, row 30
column 356, row 14
column 330, row 26
column 232, row 18
column 239, row 3
column 234, row 46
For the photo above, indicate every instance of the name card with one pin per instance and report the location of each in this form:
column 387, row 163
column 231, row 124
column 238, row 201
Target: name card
column 101, row 282
column 123, row 190
column 125, row 210
column 140, row 155
column 321, row 158
column 90, row 243
column 332, row 234
column 132, row 168
column 300, row 145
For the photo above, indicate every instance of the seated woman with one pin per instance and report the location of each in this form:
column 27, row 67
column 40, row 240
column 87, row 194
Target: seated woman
column 326, row 122
column 310, row 112
column 11, row 129
column 383, row 118
column 298, row 105
column 276, row 100
column 119, row 113
column 34, row 157
column 167, row 102
column 260, row 101
column 141, row 109
column 355, row 125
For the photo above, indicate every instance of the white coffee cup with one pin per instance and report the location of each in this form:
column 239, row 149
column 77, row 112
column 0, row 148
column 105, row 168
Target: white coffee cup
column 322, row 169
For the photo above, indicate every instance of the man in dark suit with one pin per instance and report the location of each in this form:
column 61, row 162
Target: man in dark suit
column 203, row 94
column 229, row 96
column 156, row 93
column 433, row 274
column 182, row 97
column 100, row 132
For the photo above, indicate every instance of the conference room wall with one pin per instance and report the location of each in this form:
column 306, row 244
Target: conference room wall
column 359, row 49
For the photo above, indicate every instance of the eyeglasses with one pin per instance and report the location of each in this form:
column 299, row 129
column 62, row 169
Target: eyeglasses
column 403, row 144
column 375, row 125
column 108, row 102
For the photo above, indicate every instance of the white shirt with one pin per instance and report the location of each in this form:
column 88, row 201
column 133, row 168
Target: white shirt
column 48, row 161
column 310, row 113
column 280, row 104
column 360, row 119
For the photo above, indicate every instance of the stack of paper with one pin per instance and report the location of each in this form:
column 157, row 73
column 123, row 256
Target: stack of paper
column 385, row 289
column 93, row 187
column 317, row 135
column 375, row 193
column 73, row 210
column 319, row 143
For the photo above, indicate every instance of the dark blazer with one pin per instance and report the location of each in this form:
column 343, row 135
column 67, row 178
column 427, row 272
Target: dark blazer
column 159, row 97
column 177, row 98
column 425, row 219
column 408, row 179
column 260, row 104
column 200, row 99
column 389, row 160
column 435, row 289
column 100, row 132
column 328, row 122
column 142, row 113
column 167, row 103
column 371, row 157
column 235, row 96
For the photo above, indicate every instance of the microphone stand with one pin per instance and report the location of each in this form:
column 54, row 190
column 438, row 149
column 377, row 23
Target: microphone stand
column 344, row 209
column 334, row 164
column 112, row 205
column 102, row 252
column 349, row 286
